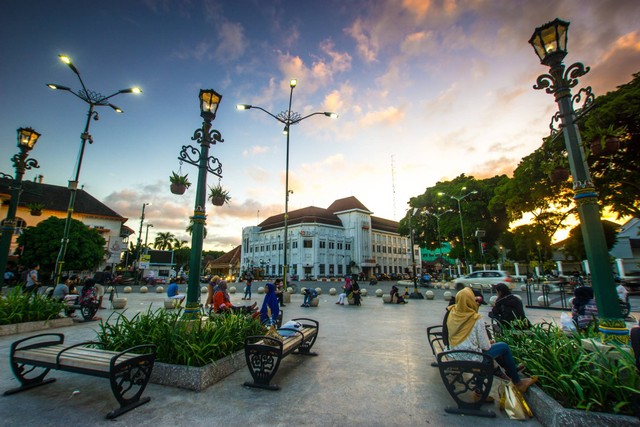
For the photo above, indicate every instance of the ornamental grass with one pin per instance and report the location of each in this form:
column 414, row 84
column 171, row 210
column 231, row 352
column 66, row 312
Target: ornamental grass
column 179, row 342
column 19, row 307
column 574, row 376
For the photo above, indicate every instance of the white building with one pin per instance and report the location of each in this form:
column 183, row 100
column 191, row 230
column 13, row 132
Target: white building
column 343, row 239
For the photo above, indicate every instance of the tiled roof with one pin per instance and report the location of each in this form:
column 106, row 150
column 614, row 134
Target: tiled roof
column 317, row 215
column 56, row 198
column 231, row 257
column 347, row 204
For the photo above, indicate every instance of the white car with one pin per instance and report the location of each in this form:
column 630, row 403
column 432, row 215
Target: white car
column 486, row 278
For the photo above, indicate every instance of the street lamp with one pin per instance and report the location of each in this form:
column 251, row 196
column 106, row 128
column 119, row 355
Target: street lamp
column 416, row 294
column 94, row 99
column 437, row 217
column 27, row 139
column 550, row 44
column 138, row 254
column 458, row 199
column 205, row 136
column 146, row 237
column 288, row 118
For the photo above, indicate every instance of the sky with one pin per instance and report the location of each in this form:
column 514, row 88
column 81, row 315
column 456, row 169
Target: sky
column 425, row 91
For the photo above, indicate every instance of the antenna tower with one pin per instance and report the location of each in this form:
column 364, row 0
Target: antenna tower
column 393, row 186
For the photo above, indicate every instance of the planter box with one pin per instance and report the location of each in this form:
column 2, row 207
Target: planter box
column 197, row 379
column 551, row 414
column 18, row 328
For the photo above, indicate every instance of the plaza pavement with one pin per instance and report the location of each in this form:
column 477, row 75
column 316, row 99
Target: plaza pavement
column 372, row 369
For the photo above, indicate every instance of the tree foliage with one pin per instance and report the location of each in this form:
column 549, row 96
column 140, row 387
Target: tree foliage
column 42, row 244
column 164, row 241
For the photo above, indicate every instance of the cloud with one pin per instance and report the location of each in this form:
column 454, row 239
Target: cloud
column 231, row 41
column 618, row 63
column 367, row 45
column 255, row 151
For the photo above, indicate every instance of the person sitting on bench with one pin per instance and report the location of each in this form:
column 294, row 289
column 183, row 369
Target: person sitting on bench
column 467, row 331
column 584, row 310
column 396, row 298
column 346, row 291
column 222, row 303
column 62, row 292
column 173, row 292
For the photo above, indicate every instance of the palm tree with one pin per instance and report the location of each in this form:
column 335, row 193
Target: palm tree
column 164, row 241
column 179, row 244
column 190, row 230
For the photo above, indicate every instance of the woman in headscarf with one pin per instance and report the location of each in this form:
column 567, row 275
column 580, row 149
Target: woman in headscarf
column 222, row 302
column 211, row 290
column 346, row 291
column 270, row 308
column 467, row 331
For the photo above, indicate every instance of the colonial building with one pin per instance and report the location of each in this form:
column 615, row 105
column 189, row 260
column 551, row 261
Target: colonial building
column 344, row 238
column 55, row 199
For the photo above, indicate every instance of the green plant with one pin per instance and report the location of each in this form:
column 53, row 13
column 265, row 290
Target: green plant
column 179, row 342
column 18, row 307
column 601, row 134
column 179, row 179
column 218, row 195
column 574, row 376
column 35, row 206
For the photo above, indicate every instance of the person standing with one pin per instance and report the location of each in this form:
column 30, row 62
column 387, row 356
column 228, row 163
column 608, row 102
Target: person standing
column 102, row 279
column 32, row 279
column 279, row 292
column 247, row 289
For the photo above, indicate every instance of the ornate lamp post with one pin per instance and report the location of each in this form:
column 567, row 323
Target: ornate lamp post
column 458, row 199
column 27, row 139
column 437, row 217
column 288, row 118
column 550, row 44
column 205, row 136
column 94, row 99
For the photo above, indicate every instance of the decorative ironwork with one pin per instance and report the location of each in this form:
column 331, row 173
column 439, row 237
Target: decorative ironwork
column 582, row 107
column 289, row 117
column 192, row 155
column 554, row 131
column 92, row 97
column 5, row 176
column 20, row 162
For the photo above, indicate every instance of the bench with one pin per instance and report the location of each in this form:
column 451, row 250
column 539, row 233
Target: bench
column 32, row 358
column 436, row 342
column 264, row 354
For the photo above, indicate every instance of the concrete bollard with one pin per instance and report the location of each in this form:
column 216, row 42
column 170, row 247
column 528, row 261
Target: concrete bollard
column 118, row 303
column 204, row 290
column 232, row 290
column 261, row 290
column 144, row 289
column 159, row 290
column 429, row 295
column 319, row 291
column 379, row 293
column 447, row 296
column 332, row 291
column 127, row 289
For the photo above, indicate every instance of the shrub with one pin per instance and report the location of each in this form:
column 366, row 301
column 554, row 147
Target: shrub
column 18, row 307
column 179, row 342
column 574, row 376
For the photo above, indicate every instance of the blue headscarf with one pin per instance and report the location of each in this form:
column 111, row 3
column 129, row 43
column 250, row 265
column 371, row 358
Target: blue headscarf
column 270, row 302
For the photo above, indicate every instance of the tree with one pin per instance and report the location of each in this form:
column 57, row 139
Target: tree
column 617, row 176
column 164, row 241
column 179, row 244
column 86, row 248
column 189, row 230
column 574, row 246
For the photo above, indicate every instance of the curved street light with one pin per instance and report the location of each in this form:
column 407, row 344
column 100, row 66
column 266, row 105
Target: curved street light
column 288, row 118
column 94, row 99
column 550, row 44
column 458, row 199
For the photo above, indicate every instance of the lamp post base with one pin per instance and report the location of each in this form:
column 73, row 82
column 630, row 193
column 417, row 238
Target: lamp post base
column 416, row 295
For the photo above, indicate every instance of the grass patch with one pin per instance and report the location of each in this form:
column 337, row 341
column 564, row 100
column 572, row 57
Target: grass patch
column 574, row 376
column 178, row 342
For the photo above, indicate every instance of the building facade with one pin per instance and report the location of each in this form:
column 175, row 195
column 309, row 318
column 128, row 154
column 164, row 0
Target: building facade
column 344, row 238
column 55, row 199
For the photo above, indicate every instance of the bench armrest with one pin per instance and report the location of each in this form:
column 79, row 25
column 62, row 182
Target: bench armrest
column 59, row 339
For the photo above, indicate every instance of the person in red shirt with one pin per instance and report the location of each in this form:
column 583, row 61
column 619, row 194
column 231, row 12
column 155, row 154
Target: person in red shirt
column 222, row 303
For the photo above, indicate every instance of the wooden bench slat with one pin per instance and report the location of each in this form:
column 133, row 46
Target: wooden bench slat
column 80, row 357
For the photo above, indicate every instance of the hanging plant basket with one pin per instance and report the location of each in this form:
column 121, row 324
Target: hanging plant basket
column 218, row 200
column 596, row 147
column 36, row 212
column 35, row 209
column 611, row 146
column 179, row 183
column 178, row 188
column 559, row 174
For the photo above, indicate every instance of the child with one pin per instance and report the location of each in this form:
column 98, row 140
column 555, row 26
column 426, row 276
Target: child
column 247, row 289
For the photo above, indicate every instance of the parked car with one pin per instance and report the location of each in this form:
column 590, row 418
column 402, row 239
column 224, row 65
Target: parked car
column 486, row 277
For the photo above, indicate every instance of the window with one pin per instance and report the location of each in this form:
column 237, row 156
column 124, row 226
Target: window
column 347, row 246
column 340, row 269
column 307, row 243
column 332, row 245
column 261, row 248
column 280, row 246
column 273, row 247
column 323, row 244
column 321, row 268
column 384, row 249
column 339, row 245
column 379, row 248
column 295, row 245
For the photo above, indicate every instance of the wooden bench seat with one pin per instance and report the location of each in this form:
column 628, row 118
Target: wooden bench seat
column 264, row 353
column 129, row 371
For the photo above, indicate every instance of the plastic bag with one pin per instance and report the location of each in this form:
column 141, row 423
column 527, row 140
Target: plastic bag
column 513, row 403
column 289, row 328
column 567, row 322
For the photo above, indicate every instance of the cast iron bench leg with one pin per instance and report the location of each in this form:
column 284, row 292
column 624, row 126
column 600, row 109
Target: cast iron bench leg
column 263, row 361
column 464, row 377
column 128, row 381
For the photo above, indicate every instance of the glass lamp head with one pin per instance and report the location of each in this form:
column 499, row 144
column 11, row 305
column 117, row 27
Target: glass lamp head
column 550, row 41
column 27, row 138
column 209, row 101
